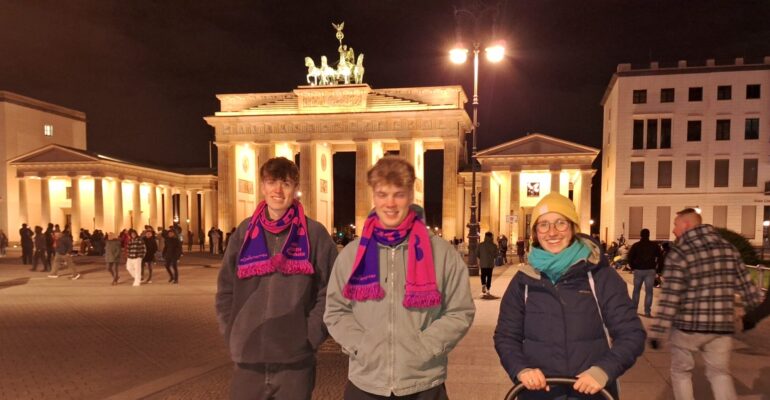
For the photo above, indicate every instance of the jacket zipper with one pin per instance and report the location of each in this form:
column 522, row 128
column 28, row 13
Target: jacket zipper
column 392, row 319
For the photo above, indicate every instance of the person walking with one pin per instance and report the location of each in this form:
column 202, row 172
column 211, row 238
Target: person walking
column 271, row 291
column 151, row 247
column 703, row 274
column 134, row 255
column 49, row 243
column 171, row 254
column 27, row 244
column 211, row 239
column 112, row 257
column 643, row 260
column 40, row 247
column 63, row 255
column 566, row 312
column 398, row 299
column 503, row 244
column 486, row 252
column 520, row 250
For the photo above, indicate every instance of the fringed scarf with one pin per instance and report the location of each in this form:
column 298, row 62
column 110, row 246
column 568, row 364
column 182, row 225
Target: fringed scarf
column 364, row 281
column 294, row 257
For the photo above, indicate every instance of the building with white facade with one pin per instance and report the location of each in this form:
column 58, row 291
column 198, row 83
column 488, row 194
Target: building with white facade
column 686, row 136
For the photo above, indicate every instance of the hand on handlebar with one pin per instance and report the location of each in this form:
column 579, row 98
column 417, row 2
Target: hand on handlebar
column 533, row 379
column 586, row 384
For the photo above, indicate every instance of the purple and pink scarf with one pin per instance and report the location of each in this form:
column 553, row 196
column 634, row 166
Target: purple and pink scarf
column 364, row 281
column 294, row 257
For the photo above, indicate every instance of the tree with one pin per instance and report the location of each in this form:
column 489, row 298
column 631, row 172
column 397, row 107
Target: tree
column 748, row 254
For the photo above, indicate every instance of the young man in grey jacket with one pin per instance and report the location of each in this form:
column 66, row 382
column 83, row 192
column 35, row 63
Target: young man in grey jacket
column 398, row 299
column 271, row 292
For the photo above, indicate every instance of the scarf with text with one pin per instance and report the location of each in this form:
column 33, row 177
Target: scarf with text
column 294, row 257
column 364, row 282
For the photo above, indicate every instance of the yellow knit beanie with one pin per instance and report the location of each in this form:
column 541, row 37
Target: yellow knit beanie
column 554, row 202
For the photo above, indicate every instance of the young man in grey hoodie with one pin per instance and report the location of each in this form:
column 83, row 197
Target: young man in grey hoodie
column 399, row 299
column 271, row 292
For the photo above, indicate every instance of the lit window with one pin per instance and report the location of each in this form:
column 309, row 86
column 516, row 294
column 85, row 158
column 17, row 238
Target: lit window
column 48, row 130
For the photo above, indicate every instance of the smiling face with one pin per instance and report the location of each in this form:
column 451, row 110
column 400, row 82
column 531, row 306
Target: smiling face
column 391, row 203
column 554, row 232
column 279, row 194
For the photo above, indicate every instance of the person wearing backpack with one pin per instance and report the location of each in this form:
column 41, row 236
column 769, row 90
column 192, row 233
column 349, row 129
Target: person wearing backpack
column 579, row 319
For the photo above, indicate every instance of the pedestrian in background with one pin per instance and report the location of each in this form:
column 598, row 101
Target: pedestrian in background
column 63, row 255
column 40, row 247
column 562, row 310
column 134, row 254
column 486, row 252
column 520, row 250
column 643, row 260
column 112, row 257
column 3, row 243
column 703, row 274
column 27, row 244
column 171, row 254
column 151, row 247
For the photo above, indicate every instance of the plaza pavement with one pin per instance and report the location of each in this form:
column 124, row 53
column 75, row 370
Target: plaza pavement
column 85, row 339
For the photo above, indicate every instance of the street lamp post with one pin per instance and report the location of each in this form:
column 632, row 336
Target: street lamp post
column 458, row 55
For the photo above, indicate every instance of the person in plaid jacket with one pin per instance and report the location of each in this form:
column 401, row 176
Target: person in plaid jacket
column 703, row 273
column 136, row 251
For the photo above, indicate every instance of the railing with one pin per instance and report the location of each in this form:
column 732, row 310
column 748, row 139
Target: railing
column 761, row 270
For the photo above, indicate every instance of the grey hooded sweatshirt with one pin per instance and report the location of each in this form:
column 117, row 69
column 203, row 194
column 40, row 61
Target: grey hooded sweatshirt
column 276, row 318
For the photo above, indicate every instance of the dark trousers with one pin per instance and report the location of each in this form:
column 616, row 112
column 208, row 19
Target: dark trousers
column 273, row 381
column 49, row 253
column 149, row 269
column 173, row 271
column 40, row 256
column 113, row 268
column 436, row 393
column 486, row 277
column 26, row 254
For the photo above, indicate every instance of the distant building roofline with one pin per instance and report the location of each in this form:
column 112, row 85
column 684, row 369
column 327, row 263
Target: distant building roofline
column 29, row 102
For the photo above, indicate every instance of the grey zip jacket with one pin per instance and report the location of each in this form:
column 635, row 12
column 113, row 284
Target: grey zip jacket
column 393, row 349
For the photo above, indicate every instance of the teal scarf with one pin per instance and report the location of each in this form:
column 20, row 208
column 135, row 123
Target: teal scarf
column 554, row 265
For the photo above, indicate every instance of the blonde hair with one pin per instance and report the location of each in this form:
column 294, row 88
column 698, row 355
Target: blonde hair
column 391, row 170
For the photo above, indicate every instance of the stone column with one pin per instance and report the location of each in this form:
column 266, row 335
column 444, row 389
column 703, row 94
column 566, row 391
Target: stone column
column 136, row 207
column 183, row 214
column 168, row 207
column 516, row 207
column 585, row 201
column 307, row 159
column 23, row 214
column 485, row 216
column 118, row 206
column 362, row 190
column 412, row 150
column 555, row 179
column 75, row 210
column 152, row 219
column 449, row 191
column 225, row 185
column 194, row 212
column 98, row 203
column 45, row 201
column 208, row 205
column 264, row 152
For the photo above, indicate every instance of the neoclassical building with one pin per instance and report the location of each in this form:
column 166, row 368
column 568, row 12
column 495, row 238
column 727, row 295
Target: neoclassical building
column 49, row 176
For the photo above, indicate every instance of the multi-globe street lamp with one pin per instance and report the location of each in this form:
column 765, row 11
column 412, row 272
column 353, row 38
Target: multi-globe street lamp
column 458, row 55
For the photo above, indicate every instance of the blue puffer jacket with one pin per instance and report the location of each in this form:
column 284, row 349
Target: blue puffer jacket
column 559, row 329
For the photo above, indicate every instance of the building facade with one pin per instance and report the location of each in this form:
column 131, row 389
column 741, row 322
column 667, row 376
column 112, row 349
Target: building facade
column 686, row 136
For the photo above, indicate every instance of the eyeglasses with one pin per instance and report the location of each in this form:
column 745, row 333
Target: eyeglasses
column 545, row 226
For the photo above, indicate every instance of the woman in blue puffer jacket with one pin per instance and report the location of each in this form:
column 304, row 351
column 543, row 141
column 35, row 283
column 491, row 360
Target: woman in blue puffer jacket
column 562, row 310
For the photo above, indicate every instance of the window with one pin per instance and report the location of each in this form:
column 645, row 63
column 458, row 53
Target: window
column 664, row 174
column 663, row 225
column 720, row 217
column 748, row 221
column 721, row 173
column 665, row 133
column 750, row 171
column 640, row 96
column 635, row 216
column 752, row 91
column 638, row 134
column 68, row 193
column 47, row 130
column 695, row 94
column 652, row 133
column 692, row 174
column 637, row 174
column 693, row 131
column 723, row 129
column 752, row 128
column 667, row 95
column 724, row 92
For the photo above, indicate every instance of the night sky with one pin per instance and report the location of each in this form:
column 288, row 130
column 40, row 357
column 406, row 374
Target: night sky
column 146, row 72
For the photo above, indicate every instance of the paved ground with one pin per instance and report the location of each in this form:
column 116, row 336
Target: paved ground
column 85, row 339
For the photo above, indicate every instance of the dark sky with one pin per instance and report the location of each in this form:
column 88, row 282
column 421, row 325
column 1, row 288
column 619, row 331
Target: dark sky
column 146, row 72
